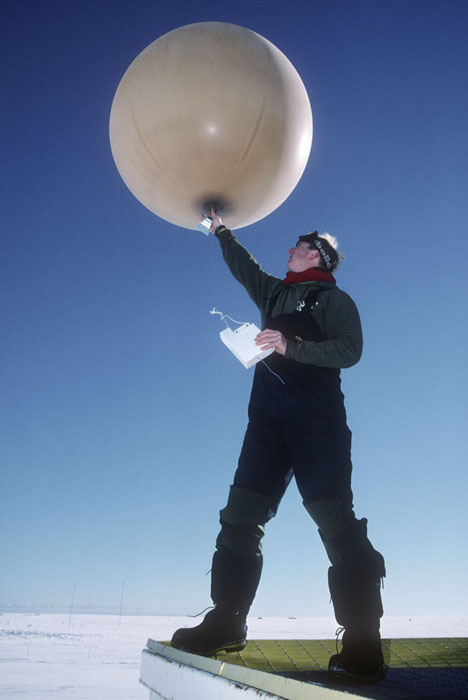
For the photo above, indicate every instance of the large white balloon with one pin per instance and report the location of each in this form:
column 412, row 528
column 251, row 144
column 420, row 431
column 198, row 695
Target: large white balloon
column 211, row 113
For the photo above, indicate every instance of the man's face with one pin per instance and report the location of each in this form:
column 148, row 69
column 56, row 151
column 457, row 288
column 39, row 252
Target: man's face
column 302, row 257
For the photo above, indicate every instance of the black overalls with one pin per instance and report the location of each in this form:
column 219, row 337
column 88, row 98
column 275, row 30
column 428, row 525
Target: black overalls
column 297, row 427
column 297, row 422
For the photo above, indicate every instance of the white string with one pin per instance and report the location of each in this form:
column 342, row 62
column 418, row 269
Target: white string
column 276, row 375
column 211, row 245
column 213, row 312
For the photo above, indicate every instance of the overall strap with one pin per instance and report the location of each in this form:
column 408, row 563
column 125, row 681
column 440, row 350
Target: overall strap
column 311, row 298
column 308, row 303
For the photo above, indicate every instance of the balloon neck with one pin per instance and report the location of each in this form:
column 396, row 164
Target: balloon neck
column 216, row 203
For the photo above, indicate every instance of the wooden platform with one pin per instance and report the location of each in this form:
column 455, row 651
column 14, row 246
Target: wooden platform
column 420, row 669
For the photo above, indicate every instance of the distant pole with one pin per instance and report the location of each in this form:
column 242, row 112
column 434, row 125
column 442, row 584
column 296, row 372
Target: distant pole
column 71, row 604
column 121, row 601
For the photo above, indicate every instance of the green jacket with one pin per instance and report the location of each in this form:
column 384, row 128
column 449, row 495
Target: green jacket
column 335, row 311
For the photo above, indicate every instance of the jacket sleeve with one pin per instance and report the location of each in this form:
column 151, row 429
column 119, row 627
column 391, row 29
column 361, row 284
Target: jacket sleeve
column 245, row 269
column 342, row 327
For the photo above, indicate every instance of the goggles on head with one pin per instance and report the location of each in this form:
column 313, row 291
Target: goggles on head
column 321, row 245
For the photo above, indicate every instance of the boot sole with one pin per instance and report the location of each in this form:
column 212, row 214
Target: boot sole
column 348, row 676
column 228, row 648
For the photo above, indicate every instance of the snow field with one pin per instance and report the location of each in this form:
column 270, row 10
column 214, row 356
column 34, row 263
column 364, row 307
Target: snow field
column 97, row 657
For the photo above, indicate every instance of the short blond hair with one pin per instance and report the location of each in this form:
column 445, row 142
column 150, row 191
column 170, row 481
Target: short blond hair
column 327, row 246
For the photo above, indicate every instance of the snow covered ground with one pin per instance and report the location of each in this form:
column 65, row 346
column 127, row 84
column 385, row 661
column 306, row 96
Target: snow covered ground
column 94, row 657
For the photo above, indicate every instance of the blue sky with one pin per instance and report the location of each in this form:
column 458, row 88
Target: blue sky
column 122, row 414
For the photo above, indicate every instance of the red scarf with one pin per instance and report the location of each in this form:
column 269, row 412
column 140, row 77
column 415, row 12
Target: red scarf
column 312, row 274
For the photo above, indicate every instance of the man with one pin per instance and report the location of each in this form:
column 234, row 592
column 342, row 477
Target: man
column 297, row 427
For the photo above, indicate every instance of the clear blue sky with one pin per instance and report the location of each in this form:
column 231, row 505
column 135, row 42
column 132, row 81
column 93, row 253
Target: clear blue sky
column 122, row 414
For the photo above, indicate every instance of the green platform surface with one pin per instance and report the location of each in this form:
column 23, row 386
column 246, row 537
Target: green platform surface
column 419, row 669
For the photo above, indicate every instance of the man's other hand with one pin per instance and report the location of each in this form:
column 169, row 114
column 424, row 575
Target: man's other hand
column 272, row 339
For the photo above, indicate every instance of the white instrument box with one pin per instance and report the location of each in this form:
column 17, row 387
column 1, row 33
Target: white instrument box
column 241, row 342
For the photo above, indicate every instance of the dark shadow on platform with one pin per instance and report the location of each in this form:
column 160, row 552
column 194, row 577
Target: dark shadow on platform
column 400, row 684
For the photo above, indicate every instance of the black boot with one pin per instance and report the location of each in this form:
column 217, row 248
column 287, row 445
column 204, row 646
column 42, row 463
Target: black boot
column 221, row 630
column 360, row 659
column 234, row 582
column 355, row 591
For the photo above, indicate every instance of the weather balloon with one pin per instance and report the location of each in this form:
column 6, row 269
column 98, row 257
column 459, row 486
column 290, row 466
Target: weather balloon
column 211, row 114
